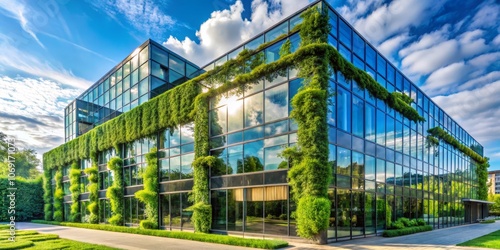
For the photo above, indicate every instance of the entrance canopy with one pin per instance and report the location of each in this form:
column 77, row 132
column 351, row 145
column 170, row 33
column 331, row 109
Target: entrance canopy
column 475, row 210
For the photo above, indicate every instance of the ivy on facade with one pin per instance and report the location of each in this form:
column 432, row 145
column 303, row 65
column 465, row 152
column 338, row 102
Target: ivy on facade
column 149, row 195
column 115, row 192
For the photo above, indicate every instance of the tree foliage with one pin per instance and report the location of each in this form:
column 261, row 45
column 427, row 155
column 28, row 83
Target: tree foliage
column 28, row 200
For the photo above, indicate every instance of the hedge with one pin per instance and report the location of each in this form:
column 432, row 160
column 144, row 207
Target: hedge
column 211, row 238
column 487, row 221
column 29, row 199
column 405, row 231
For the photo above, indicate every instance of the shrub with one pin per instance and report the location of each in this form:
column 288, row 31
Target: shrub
column 421, row 222
column 406, row 231
column 146, row 224
column 6, row 244
column 406, row 222
column 397, row 225
column 487, row 221
column 283, row 217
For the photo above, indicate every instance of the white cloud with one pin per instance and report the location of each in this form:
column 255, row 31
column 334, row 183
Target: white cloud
column 480, row 81
column 476, row 110
column 13, row 58
column 394, row 18
column 145, row 15
column 31, row 110
column 496, row 41
column 441, row 79
column 226, row 29
column 487, row 16
column 355, row 9
column 426, row 41
column 18, row 11
column 429, row 57
column 391, row 45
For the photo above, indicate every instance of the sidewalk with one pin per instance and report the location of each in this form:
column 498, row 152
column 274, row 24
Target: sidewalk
column 437, row 239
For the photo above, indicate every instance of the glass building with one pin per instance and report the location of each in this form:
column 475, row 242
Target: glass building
column 383, row 166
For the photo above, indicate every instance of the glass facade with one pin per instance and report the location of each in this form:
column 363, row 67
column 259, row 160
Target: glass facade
column 149, row 71
column 382, row 164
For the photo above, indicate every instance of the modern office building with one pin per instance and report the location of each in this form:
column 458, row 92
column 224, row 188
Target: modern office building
column 384, row 163
column 494, row 182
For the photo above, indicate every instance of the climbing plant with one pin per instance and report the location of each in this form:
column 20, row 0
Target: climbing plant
column 149, row 195
column 115, row 192
column 74, row 180
column 58, row 197
column 47, row 194
column 482, row 179
column 443, row 135
column 93, row 177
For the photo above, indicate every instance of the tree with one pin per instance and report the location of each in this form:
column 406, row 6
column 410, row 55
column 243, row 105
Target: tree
column 25, row 161
column 496, row 206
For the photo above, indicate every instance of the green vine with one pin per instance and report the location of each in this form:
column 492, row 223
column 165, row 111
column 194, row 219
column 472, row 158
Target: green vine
column 115, row 192
column 93, row 207
column 149, row 195
column 58, row 197
column 443, row 135
column 47, row 194
column 432, row 141
column 482, row 179
column 74, row 180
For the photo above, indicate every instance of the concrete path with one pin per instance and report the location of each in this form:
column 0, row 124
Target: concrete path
column 123, row 240
column 437, row 239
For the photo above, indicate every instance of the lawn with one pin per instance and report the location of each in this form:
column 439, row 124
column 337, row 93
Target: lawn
column 28, row 239
column 491, row 240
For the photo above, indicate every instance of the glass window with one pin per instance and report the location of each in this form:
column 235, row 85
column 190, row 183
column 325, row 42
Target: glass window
column 255, row 43
column 187, row 133
column 134, row 92
column 235, row 159
column 344, row 109
column 369, row 168
column 358, row 165
column 380, row 127
column 144, row 55
column 371, row 56
column 135, row 77
column 343, row 161
column 273, row 52
column 134, row 62
column 177, row 64
column 190, row 70
column 369, row 122
column 357, row 116
column 345, row 34
column 144, row 71
column 218, row 123
column 175, row 78
column 358, row 45
column 186, row 161
column 143, row 87
column 276, row 103
column 294, row 21
column 333, row 22
column 271, row 158
column 159, row 71
column 381, row 65
column 254, row 160
column 235, row 113
column 126, row 68
column 160, row 55
column 254, row 110
column 175, row 168
column 276, row 32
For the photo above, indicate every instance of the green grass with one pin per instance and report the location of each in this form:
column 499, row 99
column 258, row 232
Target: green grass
column 211, row 238
column 33, row 240
column 406, row 231
column 491, row 240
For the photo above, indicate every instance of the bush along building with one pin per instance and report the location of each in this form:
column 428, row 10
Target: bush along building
column 304, row 130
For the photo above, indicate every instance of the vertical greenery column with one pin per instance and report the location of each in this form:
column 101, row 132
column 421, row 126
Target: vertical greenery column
column 93, row 207
column 47, row 194
column 58, row 197
column 482, row 179
column 115, row 192
column 149, row 195
column 74, row 180
column 202, row 210
column 310, row 174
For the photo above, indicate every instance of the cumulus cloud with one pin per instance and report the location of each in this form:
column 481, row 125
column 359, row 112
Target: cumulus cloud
column 391, row 45
column 487, row 16
column 226, row 28
column 476, row 110
column 32, row 111
column 393, row 18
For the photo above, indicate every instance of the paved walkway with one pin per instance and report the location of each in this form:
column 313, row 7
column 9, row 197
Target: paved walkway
column 123, row 240
column 437, row 239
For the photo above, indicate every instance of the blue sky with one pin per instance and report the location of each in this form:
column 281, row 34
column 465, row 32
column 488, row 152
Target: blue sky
column 50, row 51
